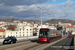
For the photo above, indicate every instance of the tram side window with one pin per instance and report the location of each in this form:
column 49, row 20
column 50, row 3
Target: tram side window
column 51, row 34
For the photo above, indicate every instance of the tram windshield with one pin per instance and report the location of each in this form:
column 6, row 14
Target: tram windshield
column 44, row 34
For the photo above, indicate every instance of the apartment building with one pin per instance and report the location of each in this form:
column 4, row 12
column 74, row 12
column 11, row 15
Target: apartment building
column 22, row 29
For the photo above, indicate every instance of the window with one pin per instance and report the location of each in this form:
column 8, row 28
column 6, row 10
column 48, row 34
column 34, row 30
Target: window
column 23, row 29
column 16, row 32
column 23, row 34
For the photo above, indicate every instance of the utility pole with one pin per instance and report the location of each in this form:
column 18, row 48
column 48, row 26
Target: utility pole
column 41, row 14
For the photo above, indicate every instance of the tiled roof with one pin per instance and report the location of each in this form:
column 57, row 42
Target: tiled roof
column 2, row 30
column 70, row 26
column 34, row 28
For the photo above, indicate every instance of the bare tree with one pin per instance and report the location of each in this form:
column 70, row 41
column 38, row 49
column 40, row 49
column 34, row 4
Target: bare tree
column 11, row 27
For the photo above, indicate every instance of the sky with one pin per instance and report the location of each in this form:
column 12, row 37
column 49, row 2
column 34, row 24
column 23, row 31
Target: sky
column 28, row 9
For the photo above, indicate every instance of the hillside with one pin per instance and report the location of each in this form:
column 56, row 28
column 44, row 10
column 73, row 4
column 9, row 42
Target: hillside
column 52, row 21
column 60, row 20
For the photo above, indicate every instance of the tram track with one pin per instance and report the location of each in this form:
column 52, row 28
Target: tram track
column 37, row 46
column 22, row 46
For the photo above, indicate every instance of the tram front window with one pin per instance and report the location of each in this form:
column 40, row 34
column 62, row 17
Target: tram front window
column 44, row 34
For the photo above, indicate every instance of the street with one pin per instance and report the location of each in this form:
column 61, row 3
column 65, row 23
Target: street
column 66, row 44
column 31, row 45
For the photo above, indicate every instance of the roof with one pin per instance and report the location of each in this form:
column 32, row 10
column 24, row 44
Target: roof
column 70, row 26
column 2, row 30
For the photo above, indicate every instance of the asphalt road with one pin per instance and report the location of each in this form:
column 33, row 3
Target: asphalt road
column 66, row 44
column 33, row 40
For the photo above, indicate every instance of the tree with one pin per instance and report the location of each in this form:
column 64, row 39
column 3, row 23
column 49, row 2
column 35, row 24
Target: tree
column 34, row 22
column 11, row 27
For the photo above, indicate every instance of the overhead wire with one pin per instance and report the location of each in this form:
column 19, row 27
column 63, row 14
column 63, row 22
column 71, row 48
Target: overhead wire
column 7, row 3
column 33, row 2
column 17, row 8
column 37, row 6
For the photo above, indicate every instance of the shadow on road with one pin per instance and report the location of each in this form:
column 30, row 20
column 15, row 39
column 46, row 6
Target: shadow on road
column 72, row 44
column 36, row 40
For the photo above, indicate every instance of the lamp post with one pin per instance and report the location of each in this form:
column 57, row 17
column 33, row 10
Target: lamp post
column 41, row 14
column 56, row 22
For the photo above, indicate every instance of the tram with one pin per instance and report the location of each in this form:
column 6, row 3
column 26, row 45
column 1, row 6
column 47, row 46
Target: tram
column 46, row 35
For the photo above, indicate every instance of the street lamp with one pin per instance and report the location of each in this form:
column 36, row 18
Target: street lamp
column 41, row 14
column 56, row 22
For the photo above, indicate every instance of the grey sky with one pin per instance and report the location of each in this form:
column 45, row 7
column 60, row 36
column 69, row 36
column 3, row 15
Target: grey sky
column 24, row 9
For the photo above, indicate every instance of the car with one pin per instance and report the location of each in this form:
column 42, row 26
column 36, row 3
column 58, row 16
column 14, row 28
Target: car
column 10, row 40
column 70, row 35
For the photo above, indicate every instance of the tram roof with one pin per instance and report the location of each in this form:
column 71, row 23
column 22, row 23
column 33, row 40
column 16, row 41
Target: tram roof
column 50, row 29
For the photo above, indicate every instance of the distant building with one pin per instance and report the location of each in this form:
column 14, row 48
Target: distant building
column 71, row 28
column 64, row 24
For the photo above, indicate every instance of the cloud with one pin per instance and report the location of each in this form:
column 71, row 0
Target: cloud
column 64, row 10
column 52, row 0
column 22, row 2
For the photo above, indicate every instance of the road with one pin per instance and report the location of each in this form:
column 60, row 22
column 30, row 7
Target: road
column 66, row 44
column 29, row 45
column 32, row 40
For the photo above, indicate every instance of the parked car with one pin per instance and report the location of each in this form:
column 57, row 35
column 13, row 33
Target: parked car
column 10, row 40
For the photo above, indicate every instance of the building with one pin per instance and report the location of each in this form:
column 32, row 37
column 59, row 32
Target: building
column 64, row 24
column 70, row 28
column 2, row 33
column 22, row 29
